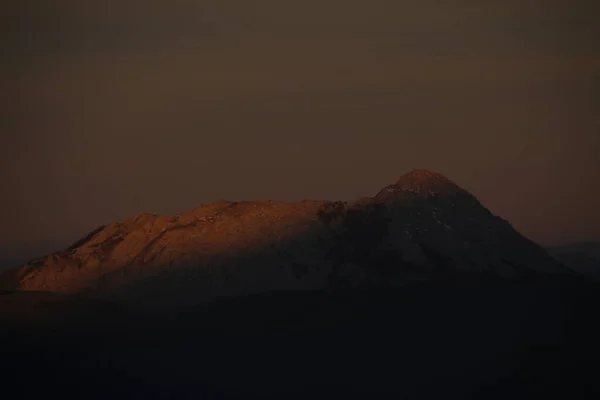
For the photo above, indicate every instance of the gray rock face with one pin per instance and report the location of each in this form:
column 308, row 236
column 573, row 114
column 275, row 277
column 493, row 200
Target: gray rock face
column 419, row 229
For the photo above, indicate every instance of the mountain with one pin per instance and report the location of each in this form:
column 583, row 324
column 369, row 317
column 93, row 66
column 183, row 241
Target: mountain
column 418, row 291
column 422, row 229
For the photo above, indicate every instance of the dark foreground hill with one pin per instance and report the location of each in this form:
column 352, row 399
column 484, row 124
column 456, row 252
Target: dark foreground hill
column 487, row 341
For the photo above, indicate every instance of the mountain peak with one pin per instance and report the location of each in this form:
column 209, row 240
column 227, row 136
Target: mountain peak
column 426, row 180
column 422, row 175
column 420, row 182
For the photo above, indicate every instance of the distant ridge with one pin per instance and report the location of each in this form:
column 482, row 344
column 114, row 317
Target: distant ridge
column 583, row 257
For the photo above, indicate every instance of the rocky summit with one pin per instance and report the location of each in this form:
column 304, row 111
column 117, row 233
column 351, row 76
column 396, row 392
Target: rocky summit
column 422, row 229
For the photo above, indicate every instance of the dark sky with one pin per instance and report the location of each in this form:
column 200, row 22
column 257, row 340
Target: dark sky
column 113, row 108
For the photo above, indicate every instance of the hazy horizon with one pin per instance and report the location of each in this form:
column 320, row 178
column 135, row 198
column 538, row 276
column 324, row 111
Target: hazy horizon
column 112, row 109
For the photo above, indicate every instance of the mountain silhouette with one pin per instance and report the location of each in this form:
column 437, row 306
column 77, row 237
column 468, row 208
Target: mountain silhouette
column 423, row 228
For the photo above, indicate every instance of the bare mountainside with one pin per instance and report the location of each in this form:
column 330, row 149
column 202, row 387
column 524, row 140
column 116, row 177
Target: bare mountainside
column 423, row 228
